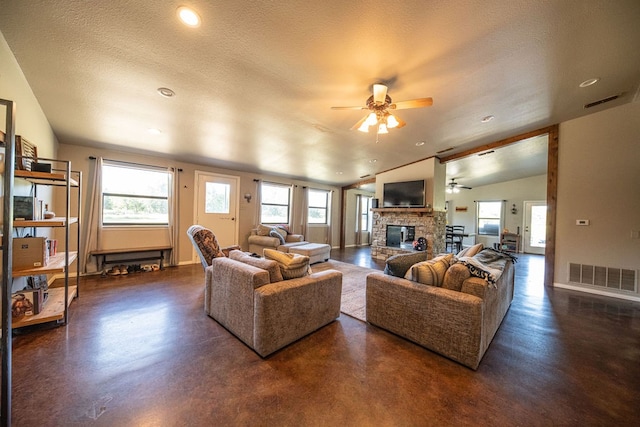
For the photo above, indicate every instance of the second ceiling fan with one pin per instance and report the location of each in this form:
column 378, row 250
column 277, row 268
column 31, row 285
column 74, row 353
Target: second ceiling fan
column 454, row 187
column 379, row 104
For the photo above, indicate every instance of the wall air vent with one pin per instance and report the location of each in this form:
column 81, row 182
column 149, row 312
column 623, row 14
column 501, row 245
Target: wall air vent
column 604, row 277
column 602, row 101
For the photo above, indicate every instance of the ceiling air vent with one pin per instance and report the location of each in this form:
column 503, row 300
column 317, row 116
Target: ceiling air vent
column 602, row 101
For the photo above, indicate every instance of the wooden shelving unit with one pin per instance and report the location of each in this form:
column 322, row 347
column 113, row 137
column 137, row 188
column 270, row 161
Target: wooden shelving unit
column 56, row 307
column 58, row 221
column 57, row 264
column 510, row 242
column 53, row 310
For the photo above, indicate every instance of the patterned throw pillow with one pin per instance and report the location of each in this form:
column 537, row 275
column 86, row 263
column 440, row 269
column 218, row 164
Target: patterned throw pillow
column 430, row 272
column 275, row 233
column 292, row 266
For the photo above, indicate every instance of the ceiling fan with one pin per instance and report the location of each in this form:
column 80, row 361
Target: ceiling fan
column 379, row 104
column 454, row 187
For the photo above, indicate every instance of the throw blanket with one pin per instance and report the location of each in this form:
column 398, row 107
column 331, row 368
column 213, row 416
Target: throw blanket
column 487, row 264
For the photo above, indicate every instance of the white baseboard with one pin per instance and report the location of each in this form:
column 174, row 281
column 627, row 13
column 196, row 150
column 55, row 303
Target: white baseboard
column 596, row 292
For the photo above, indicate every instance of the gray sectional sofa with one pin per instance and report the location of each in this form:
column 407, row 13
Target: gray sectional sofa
column 456, row 318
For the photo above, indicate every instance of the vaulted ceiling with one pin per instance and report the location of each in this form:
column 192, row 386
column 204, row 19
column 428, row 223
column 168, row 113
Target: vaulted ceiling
column 255, row 82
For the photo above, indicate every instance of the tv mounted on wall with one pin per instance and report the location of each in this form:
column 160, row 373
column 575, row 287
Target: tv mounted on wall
column 408, row 194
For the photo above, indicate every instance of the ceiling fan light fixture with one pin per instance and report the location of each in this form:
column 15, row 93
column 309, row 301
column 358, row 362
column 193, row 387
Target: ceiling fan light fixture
column 392, row 122
column 382, row 128
column 364, row 127
column 372, row 119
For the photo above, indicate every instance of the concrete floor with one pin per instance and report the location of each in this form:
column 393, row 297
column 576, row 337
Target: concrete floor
column 139, row 351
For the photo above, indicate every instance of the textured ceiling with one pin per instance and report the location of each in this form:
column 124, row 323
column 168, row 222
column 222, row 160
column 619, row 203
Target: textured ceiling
column 255, row 82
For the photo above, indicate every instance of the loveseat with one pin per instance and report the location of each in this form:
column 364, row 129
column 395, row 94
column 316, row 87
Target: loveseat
column 457, row 314
column 273, row 237
column 255, row 299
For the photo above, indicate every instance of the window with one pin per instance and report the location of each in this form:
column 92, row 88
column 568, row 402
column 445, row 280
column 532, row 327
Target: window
column 489, row 215
column 318, row 207
column 365, row 204
column 274, row 208
column 134, row 195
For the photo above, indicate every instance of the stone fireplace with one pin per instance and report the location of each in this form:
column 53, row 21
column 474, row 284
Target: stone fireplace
column 423, row 222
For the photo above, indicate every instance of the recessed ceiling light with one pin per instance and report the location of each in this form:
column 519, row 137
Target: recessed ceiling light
column 487, row 119
column 419, row 143
column 590, row 82
column 373, row 160
column 166, row 92
column 189, row 17
column 154, row 131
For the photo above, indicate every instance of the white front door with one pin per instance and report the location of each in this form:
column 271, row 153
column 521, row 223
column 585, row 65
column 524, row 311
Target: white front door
column 217, row 205
column 535, row 227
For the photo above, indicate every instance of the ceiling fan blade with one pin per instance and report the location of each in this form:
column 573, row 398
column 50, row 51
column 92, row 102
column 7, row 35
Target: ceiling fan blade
column 412, row 103
column 379, row 93
column 349, row 108
column 360, row 122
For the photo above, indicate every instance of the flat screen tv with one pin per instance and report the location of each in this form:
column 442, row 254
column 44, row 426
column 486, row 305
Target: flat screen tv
column 408, row 194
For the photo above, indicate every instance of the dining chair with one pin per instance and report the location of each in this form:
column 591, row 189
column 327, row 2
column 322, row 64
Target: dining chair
column 457, row 236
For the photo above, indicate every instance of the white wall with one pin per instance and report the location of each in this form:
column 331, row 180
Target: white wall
column 429, row 169
column 514, row 192
column 30, row 122
column 599, row 180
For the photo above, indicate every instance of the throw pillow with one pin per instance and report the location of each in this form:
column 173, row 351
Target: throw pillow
column 271, row 266
column 263, row 230
column 284, row 227
column 470, row 251
column 455, row 276
column 430, row 272
column 397, row 265
column 274, row 233
column 291, row 266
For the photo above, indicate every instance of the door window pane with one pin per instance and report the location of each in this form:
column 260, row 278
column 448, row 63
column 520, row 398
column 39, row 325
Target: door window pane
column 217, row 198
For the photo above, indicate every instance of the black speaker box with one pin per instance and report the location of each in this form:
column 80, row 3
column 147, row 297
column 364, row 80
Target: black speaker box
column 41, row 167
column 374, row 203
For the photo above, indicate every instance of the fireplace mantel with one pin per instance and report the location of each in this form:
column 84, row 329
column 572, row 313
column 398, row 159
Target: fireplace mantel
column 419, row 211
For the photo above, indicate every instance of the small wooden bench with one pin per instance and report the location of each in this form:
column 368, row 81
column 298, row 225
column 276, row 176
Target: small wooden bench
column 156, row 253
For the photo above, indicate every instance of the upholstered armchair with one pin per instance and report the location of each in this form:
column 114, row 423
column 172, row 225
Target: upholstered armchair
column 207, row 245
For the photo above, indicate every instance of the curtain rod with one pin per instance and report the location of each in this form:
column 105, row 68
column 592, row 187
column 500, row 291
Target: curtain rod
column 134, row 164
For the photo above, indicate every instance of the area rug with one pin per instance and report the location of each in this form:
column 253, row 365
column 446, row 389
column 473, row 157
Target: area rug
column 354, row 283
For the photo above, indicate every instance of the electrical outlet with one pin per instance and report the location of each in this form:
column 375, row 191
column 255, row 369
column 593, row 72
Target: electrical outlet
column 582, row 222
